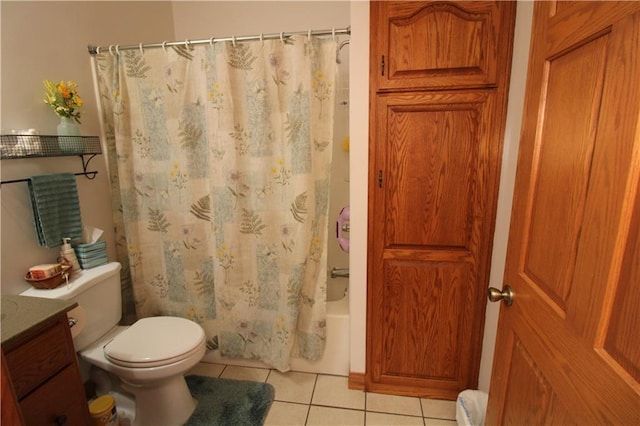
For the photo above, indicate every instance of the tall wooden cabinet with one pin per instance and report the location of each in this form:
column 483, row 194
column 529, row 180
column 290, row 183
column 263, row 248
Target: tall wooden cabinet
column 439, row 83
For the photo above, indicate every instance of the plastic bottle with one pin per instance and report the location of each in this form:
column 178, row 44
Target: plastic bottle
column 69, row 254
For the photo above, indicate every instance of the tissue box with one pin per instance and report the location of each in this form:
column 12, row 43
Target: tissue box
column 92, row 254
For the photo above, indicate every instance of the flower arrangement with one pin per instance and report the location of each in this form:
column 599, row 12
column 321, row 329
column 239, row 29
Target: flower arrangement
column 64, row 99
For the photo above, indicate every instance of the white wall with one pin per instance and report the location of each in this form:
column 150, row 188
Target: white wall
column 48, row 40
column 519, row 63
column 206, row 19
column 359, row 165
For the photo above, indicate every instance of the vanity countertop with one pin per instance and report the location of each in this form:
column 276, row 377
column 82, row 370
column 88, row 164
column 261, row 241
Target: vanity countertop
column 18, row 314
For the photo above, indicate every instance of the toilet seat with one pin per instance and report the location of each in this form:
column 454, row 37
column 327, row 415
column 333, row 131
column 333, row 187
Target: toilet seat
column 155, row 341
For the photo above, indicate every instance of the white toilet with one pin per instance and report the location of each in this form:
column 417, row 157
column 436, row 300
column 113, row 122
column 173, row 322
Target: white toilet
column 148, row 358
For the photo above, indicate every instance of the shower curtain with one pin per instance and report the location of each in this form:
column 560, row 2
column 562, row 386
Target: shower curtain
column 219, row 158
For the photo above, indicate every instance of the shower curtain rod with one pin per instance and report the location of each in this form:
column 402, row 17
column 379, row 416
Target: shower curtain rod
column 94, row 50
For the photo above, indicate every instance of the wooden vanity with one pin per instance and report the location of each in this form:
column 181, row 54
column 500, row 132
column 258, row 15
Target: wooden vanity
column 41, row 383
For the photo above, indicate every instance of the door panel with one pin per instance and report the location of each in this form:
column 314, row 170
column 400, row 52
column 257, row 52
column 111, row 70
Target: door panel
column 431, row 209
column 623, row 312
column 565, row 151
column 432, row 149
column 432, row 44
column 425, row 309
column 574, row 246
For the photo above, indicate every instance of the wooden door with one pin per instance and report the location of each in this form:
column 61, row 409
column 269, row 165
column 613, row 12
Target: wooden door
column 434, row 168
column 568, row 349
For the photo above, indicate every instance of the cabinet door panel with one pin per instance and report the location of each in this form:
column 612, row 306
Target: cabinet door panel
column 39, row 358
column 430, row 239
column 56, row 399
column 427, row 45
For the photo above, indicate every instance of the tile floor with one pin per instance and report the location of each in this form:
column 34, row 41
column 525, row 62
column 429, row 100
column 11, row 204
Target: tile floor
column 318, row 399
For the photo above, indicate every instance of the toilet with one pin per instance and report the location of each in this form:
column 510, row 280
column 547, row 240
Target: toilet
column 146, row 360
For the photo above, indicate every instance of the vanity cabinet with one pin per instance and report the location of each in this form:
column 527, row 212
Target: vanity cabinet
column 44, row 375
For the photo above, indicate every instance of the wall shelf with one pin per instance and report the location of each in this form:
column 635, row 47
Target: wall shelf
column 33, row 146
column 40, row 146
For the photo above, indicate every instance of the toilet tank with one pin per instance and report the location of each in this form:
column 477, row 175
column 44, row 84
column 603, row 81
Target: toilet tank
column 97, row 292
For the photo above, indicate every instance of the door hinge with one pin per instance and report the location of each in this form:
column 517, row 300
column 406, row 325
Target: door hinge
column 379, row 178
column 382, row 64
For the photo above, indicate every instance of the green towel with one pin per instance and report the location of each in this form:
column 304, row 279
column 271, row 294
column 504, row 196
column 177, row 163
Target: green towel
column 56, row 208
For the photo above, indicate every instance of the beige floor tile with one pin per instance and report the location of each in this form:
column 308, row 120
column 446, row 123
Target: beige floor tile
column 245, row 373
column 286, row 414
column 393, row 404
column 334, row 391
column 206, row 369
column 439, row 422
column 438, row 409
column 328, row 416
column 383, row 419
column 292, row 386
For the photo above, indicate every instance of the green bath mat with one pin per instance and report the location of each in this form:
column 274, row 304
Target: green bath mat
column 229, row 402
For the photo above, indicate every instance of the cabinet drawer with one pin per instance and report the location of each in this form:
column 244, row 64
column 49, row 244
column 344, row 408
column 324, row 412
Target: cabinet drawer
column 58, row 401
column 38, row 359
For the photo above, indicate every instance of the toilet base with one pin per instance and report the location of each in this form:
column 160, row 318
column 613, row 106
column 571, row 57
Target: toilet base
column 168, row 403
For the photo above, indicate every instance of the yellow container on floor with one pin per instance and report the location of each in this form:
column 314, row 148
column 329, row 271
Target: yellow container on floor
column 103, row 411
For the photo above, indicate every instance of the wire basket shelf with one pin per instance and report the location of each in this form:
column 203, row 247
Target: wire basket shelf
column 31, row 146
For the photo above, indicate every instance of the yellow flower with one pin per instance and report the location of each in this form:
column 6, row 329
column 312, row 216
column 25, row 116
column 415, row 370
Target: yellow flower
column 63, row 98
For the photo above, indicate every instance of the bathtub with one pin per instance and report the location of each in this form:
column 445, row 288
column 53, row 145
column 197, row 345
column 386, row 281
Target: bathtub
column 336, row 354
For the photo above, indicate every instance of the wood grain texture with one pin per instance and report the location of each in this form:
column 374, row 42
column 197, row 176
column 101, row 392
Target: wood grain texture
column 43, row 370
column 9, row 412
column 575, row 272
column 434, row 167
column 429, row 45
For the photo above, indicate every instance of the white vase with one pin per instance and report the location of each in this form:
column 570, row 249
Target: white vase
column 69, row 139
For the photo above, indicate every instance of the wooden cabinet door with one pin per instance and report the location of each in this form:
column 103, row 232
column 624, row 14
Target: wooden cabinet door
column 433, row 201
column 436, row 45
column 435, row 158
column 568, row 348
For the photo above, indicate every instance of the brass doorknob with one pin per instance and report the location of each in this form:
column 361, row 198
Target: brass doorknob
column 506, row 295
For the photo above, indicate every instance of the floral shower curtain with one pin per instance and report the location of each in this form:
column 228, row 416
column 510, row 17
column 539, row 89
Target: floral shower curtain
column 219, row 158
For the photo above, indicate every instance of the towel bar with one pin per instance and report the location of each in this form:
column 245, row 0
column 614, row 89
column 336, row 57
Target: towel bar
column 89, row 175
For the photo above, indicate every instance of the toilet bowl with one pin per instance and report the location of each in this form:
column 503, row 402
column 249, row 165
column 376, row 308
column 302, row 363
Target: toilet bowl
column 150, row 358
column 147, row 360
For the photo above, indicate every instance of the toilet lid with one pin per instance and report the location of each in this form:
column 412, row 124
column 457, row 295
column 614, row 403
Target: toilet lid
column 155, row 341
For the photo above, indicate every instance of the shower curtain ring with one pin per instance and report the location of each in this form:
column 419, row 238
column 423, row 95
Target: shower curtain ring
column 141, row 50
column 333, row 33
column 187, row 43
column 233, row 41
column 118, row 49
column 309, row 35
column 111, row 51
column 262, row 38
column 164, row 46
column 282, row 36
column 98, row 50
column 211, row 41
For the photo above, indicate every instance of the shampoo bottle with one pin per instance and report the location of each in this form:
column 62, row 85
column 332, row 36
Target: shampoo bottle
column 68, row 253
